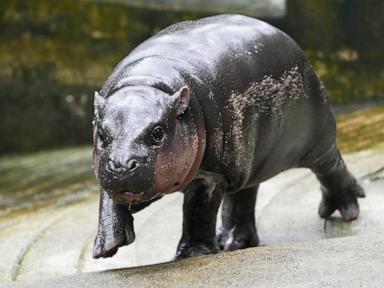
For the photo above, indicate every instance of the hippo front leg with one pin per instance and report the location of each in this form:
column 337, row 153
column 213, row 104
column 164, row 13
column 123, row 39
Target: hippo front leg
column 115, row 227
column 201, row 202
column 238, row 230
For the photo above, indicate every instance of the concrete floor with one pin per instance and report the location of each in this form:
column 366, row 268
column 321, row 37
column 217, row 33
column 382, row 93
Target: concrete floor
column 57, row 241
column 338, row 262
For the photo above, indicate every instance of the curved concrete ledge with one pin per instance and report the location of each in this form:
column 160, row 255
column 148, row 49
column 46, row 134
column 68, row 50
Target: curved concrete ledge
column 355, row 261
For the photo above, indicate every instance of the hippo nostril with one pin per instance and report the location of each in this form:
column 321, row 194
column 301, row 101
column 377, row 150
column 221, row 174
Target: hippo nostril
column 132, row 165
column 114, row 167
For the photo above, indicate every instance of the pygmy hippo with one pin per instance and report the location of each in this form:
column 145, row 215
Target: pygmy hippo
column 212, row 108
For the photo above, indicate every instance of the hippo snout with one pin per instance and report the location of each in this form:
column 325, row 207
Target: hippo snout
column 118, row 168
column 121, row 177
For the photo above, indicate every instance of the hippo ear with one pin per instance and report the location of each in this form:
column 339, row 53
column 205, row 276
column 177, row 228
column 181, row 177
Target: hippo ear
column 181, row 100
column 98, row 102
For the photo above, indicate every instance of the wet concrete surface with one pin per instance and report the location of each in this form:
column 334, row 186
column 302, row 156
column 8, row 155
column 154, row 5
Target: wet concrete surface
column 339, row 262
column 57, row 241
column 59, row 177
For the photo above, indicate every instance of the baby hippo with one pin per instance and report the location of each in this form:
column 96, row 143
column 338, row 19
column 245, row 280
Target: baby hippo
column 212, row 108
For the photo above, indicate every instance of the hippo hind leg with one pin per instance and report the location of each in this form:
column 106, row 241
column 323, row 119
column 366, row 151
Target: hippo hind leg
column 339, row 187
column 238, row 229
column 201, row 202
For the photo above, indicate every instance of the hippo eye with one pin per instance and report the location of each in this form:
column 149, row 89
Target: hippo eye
column 158, row 135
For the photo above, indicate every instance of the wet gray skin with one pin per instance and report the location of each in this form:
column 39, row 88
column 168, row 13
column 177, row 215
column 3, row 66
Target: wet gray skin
column 212, row 108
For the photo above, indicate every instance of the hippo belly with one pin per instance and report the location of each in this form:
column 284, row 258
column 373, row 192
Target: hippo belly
column 240, row 103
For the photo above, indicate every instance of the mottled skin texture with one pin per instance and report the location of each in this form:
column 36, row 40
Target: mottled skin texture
column 240, row 103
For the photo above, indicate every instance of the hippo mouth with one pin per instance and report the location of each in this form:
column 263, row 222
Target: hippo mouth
column 127, row 197
column 131, row 198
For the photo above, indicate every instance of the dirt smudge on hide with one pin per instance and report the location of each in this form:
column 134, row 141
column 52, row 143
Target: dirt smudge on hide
column 270, row 96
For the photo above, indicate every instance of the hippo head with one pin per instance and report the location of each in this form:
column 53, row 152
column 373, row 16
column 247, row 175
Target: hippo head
column 145, row 143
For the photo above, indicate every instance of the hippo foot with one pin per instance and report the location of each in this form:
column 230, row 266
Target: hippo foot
column 107, row 242
column 238, row 237
column 344, row 201
column 186, row 249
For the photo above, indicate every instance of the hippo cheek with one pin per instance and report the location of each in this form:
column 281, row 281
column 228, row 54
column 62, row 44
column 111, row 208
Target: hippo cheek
column 174, row 163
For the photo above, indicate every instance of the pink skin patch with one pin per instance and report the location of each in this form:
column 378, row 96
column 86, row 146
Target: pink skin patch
column 174, row 163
